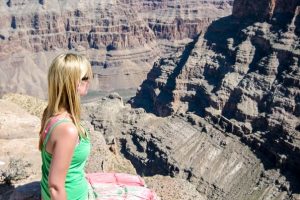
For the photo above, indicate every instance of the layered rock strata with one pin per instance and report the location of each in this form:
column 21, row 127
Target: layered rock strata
column 173, row 22
column 171, row 146
column 20, row 159
column 119, row 44
column 242, row 76
column 216, row 163
column 177, row 20
column 119, row 37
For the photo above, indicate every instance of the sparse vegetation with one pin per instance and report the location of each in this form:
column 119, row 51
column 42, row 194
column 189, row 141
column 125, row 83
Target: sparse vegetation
column 33, row 105
column 16, row 171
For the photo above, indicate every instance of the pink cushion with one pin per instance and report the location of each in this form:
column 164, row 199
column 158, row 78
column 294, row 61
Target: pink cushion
column 115, row 178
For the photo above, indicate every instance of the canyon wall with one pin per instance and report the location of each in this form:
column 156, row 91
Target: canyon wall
column 189, row 148
column 274, row 10
column 120, row 37
column 119, row 44
column 242, row 76
column 227, row 102
column 177, row 20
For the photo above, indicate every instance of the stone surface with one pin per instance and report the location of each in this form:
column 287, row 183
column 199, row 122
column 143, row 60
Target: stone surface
column 20, row 162
column 227, row 101
column 122, row 38
column 19, row 154
column 172, row 146
column 177, row 20
column 173, row 188
column 265, row 9
column 118, row 42
column 106, row 158
column 242, row 76
column 33, row 105
column 188, row 148
column 105, row 154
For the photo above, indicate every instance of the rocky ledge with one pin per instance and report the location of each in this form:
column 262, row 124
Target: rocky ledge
column 20, row 161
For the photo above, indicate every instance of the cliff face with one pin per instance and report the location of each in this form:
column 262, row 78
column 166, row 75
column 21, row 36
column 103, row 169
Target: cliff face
column 187, row 147
column 176, row 20
column 265, row 9
column 119, row 37
column 242, row 76
column 117, row 41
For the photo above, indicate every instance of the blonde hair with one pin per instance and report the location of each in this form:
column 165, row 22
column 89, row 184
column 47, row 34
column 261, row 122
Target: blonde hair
column 64, row 76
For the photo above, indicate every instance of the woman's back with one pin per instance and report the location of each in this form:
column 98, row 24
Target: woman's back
column 75, row 184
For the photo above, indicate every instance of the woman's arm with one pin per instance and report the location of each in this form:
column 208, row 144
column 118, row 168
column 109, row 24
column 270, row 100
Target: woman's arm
column 62, row 143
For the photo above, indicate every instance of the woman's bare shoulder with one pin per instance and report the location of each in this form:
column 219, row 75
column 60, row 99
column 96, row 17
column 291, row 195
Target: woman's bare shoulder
column 66, row 131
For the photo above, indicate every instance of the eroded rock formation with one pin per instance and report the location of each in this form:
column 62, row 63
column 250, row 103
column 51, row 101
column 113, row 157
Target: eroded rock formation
column 276, row 10
column 242, row 76
column 174, row 21
column 230, row 100
column 118, row 42
column 177, row 20
column 20, row 161
column 187, row 147
column 119, row 37
column 19, row 156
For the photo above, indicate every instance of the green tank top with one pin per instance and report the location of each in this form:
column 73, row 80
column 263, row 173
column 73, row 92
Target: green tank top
column 76, row 184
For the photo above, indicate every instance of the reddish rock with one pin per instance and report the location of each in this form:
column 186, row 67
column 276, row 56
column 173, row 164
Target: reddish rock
column 263, row 9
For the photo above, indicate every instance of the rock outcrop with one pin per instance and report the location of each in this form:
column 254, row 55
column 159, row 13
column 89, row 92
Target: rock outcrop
column 228, row 104
column 188, row 148
column 19, row 155
column 217, row 164
column 20, row 161
column 173, row 22
column 242, row 76
column 32, row 105
column 173, row 188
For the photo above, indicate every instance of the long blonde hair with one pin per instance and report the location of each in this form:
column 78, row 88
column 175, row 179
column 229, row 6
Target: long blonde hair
column 64, row 76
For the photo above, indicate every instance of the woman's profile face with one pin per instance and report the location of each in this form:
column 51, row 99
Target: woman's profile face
column 83, row 86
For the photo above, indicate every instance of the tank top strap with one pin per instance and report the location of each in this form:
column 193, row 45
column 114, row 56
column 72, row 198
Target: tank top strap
column 86, row 130
column 50, row 128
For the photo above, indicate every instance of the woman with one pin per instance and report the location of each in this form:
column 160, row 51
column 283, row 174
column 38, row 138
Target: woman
column 64, row 143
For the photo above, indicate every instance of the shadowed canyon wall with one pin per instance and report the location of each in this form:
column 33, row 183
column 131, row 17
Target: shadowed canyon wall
column 188, row 147
column 242, row 76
